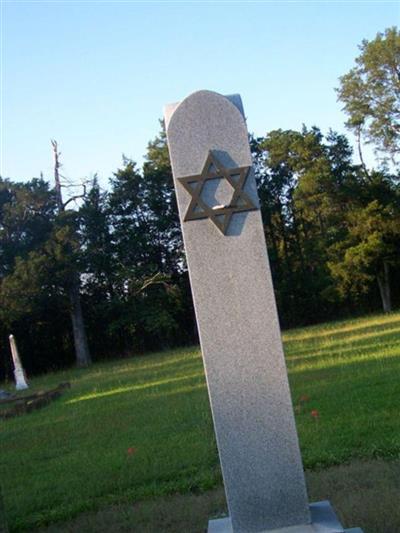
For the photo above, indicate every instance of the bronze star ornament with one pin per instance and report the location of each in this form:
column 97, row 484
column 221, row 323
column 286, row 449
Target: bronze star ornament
column 220, row 215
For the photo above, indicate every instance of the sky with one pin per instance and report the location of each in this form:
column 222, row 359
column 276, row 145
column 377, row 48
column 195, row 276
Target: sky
column 95, row 75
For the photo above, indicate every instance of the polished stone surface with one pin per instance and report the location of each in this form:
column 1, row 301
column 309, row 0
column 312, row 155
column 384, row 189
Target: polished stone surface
column 238, row 326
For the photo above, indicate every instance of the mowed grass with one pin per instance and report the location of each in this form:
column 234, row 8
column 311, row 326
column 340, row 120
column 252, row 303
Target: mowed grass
column 141, row 428
column 350, row 371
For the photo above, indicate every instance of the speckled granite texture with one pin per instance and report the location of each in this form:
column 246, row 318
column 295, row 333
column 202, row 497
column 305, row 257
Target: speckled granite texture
column 239, row 327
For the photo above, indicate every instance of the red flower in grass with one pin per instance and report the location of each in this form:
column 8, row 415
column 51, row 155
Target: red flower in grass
column 132, row 450
column 315, row 414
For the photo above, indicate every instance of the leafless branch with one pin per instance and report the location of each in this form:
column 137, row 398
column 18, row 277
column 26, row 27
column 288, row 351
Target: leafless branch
column 76, row 197
column 158, row 278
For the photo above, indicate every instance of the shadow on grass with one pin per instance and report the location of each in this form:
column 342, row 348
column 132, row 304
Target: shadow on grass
column 353, row 341
column 344, row 358
column 363, row 493
column 133, row 388
column 342, row 328
column 352, row 366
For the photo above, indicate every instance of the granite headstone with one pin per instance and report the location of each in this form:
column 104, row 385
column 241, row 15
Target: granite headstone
column 237, row 320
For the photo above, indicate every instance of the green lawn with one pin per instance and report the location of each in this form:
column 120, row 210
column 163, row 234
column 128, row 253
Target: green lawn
column 141, row 427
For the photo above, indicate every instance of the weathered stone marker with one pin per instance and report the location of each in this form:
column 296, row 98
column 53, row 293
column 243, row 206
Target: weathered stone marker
column 237, row 321
column 19, row 374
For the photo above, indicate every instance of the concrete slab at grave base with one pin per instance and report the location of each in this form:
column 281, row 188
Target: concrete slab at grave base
column 323, row 520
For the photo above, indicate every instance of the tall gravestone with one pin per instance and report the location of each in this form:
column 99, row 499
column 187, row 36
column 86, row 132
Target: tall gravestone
column 237, row 321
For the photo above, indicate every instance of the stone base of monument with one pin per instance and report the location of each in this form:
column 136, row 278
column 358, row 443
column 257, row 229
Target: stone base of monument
column 19, row 405
column 323, row 520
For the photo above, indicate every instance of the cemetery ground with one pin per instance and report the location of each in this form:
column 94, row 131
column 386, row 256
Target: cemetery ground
column 130, row 446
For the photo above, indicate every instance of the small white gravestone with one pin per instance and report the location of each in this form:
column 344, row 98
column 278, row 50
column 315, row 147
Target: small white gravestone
column 19, row 373
column 238, row 322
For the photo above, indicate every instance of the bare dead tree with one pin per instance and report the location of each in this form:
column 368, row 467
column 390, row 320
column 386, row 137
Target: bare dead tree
column 82, row 353
column 59, row 184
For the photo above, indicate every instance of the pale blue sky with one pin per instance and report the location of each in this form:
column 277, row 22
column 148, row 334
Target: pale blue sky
column 96, row 75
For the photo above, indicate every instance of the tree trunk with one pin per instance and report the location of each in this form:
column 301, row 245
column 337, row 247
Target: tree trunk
column 82, row 353
column 384, row 288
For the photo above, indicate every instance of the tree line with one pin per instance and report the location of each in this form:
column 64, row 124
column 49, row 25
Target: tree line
column 109, row 273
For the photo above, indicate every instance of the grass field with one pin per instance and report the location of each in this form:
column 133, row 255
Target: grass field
column 364, row 492
column 141, row 428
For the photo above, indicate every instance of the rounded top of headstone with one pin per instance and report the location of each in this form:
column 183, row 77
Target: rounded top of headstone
column 202, row 98
column 206, row 121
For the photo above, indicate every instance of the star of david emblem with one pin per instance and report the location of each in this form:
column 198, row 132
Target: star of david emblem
column 220, row 215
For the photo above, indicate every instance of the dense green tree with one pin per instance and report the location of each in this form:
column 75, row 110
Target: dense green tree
column 369, row 251
column 97, row 260
column 305, row 181
column 331, row 230
column 27, row 213
column 370, row 92
column 150, row 288
column 32, row 303
column 161, row 204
